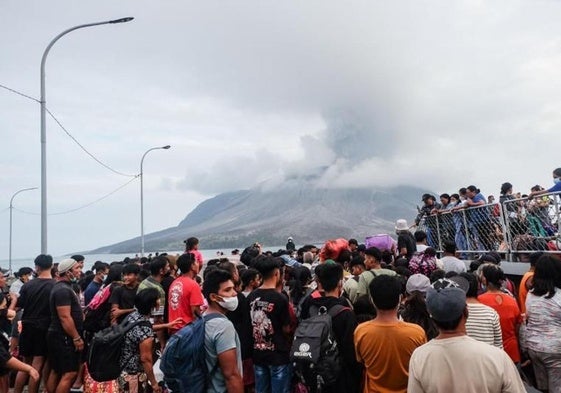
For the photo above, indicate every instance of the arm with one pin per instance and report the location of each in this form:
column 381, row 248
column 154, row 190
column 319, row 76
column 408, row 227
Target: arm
column 471, row 203
column 146, row 360
column 68, row 326
column 228, row 363
column 196, row 310
column 497, row 334
column 116, row 312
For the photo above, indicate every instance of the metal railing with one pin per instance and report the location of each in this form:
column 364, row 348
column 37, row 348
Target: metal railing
column 514, row 227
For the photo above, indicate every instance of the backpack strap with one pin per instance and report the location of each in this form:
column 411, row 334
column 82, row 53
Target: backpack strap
column 337, row 309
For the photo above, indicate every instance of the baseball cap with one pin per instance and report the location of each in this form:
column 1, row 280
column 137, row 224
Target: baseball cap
column 66, row 264
column 417, row 282
column 446, row 304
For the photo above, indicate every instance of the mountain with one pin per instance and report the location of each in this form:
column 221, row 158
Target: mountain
column 269, row 214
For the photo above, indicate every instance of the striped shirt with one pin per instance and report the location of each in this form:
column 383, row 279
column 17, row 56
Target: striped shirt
column 483, row 324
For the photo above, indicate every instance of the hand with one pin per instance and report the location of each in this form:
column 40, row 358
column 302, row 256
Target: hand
column 79, row 345
column 11, row 314
column 175, row 324
column 156, row 388
column 34, row 374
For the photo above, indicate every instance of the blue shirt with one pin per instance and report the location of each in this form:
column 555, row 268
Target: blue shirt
column 90, row 291
column 556, row 187
column 478, row 214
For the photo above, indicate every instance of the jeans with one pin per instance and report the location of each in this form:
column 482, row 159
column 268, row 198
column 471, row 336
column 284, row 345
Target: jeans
column 273, row 379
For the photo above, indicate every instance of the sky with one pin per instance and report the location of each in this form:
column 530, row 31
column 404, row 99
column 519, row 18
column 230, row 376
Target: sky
column 370, row 94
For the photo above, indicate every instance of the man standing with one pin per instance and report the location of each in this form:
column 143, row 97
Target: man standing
column 122, row 297
column 269, row 309
column 372, row 259
column 185, row 296
column 64, row 339
column 434, row 366
column 449, row 260
column 406, row 244
column 36, row 318
column 385, row 344
column 100, row 270
column 222, row 344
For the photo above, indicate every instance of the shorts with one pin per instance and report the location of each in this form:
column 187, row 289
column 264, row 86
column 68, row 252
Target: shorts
column 33, row 341
column 63, row 357
column 15, row 333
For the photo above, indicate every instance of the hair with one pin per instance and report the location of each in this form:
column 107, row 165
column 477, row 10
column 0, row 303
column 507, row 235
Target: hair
column 247, row 276
column 436, row 275
column 505, row 187
column 473, row 189
column 185, row 262
column 344, row 256
column 387, row 256
column 363, row 307
column 266, row 265
column 145, row 300
column 450, row 273
column 445, row 196
column 557, row 172
column 114, row 275
column 462, row 191
column 131, row 268
column 374, row 252
column 213, row 280
column 44, row 262
column 401, row 261
column 473, row 284
column 158, row 264
column 547, row 275
column 449, row 246
column 403, row 271
column 534, row 257
column 24, row 271
column 385, row 291
column 100, row 266
column 190, row 243
column 415, row 311
column 493, row 274
column 353, row 241
column 301, row 277
column 420, row 236
column 329, row 275
column 78, row 258
column 357, row 260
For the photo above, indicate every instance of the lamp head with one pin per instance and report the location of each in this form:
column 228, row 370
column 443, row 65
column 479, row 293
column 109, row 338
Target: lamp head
column 166, row 147
column 122, row 20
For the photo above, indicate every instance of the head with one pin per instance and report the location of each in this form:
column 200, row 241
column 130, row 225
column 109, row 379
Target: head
column 473, row 283
column 330, row 277
column 24, row 274
column 421, row 237
column 353, row 245
column 69, row 270
column 251, row 279
column 357, row 265
column 547, row 276
column 492, row 276
column 372, row 257
column 271, row 269
column 219, row 290
column 159, row 266
column 114, row 274
column 428, row 199
column 130, row 274
column 187, row 264
column 43, row 262
column 454, row 198
column 556, row 175
column 191, row 244
column 447, row 307
column 471, row 191
column 230, row 268
column 506, row 188
column 417, row 283
column 146, row 300
column 385, row 292
column 401, row 226
column 79, row 258
column 449, row 247
column 445, row 199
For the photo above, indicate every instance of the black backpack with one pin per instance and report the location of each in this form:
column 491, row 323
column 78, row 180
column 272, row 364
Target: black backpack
column 104, row 352
column 314, row 351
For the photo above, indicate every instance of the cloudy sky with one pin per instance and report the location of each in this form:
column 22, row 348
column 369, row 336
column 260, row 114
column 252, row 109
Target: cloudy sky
column 429, row 93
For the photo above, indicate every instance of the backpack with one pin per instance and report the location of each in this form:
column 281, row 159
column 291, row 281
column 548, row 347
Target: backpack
column 184, row 359
column 422, row 263
column 314, row 351
column 97, row 313
column 104, row 352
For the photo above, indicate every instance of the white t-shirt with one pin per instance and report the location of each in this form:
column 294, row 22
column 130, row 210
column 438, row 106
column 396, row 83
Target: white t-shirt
column 453, row 264
column 462, row 364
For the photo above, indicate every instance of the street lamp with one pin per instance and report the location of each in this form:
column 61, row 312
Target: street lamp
column 142, row 196
column 44, row 125
column 11, row 208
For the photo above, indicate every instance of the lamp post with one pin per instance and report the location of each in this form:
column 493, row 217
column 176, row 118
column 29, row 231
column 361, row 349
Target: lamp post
column 11, row 208
column 44, row 125
column 142, row 196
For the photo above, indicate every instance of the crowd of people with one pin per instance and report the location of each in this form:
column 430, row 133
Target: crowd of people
column 399, row 319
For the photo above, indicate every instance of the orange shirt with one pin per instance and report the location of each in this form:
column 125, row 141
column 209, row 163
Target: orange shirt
column 523, row 291
column 385, row 350
column 509, row 316
column 184, row 292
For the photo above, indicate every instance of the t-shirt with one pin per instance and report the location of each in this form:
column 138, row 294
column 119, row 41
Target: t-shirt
column 123, row 297
column 16, row 286
column 406, row 240
column 150, row 282
column 555, row 188
column 34, row 299
column 478, row 214
column 483, row 324
column 220, row 336
column 523, row 290
column 269, row 312
column 63, row 295
column 183, row 293
column 543, row 329
column 366, row 278
column 453, row 264
column 462, row 364
column 509, row 316
column 130, row 355
column 91, row 290
column 385, row 349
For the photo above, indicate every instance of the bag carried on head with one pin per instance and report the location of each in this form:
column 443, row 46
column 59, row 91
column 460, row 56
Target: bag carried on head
column 104, row 353
column 423, row 263
column 314, row 351
column 184, row 359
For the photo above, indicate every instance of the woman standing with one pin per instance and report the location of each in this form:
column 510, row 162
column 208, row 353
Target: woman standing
column 505, row 305
column 543, row 329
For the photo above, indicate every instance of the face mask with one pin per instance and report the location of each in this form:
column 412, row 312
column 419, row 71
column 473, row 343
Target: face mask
column 556, row 180
column 229, row 303
column 104, row 277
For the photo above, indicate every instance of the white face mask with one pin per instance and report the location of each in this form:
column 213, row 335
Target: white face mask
column 229, row 303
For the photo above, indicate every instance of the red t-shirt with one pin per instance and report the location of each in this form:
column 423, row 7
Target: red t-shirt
column 509, row 316
column 184, row 292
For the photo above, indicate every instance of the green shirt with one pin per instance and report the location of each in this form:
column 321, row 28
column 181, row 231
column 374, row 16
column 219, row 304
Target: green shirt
column 149, row 282
column 366, row 278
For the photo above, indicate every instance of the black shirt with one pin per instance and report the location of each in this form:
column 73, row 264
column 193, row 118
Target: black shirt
column 241, row 320
column 269, row 314
column 63, row 295
column 34, row 299
column 407, row 240
column 123, row 296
